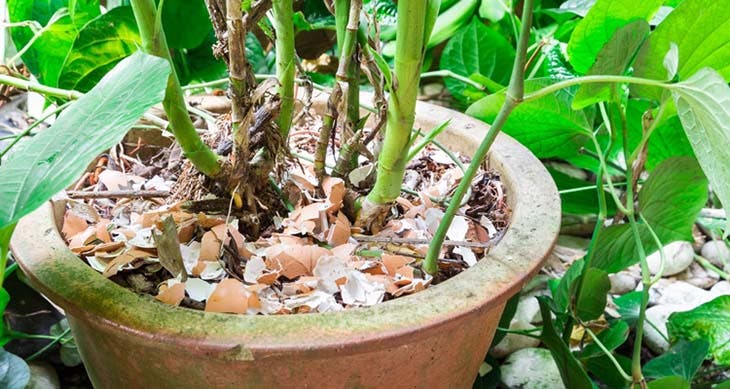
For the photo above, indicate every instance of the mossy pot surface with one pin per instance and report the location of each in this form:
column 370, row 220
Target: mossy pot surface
column 436, row 338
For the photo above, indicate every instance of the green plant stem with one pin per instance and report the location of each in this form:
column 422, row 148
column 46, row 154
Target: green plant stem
column 410, row 41
column 285, row 60
column 455, row 76
column 608, row 354
column 154, row 42
column 592, row 80
column 709, row 266
column 514, row 96
column 45, row 348
column 30, row 86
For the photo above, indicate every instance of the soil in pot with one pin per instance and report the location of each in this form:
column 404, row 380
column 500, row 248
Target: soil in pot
column 304, row 256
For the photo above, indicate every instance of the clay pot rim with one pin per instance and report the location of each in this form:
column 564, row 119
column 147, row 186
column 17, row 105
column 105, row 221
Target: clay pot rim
column 55, row 271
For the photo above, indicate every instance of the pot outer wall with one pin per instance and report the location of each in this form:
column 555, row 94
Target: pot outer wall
column 436, row 338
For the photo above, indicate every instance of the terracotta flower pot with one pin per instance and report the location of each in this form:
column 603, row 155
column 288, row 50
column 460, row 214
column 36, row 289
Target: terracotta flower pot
column 436, row 338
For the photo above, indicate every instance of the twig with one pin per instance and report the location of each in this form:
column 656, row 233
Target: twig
column 379, row 239
column 103, row 194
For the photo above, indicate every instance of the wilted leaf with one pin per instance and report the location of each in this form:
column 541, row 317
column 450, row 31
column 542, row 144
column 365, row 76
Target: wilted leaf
column 168, row 249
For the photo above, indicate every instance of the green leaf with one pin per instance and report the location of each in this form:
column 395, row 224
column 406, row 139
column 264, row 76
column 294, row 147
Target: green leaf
column 43, row 165
column 669, row 200
column 683, row 359
column 584, row 202
column 186, row 23
column 612, row 338
column 709, row 321
column 592, row 298
column 68, row 351
column 700, row 31
column 668, row 140
column 674, row 382
column 572, row 372
column 613, row 59
column 504, row 321
column 494, row 10
column 14, row 372
column 101, row 44
column 476, row 49
column 599, row 25
column 547, row 126
column 604, row 369
column 703, row 107
column 47, row 54
column 564, row 291
column 629, row 307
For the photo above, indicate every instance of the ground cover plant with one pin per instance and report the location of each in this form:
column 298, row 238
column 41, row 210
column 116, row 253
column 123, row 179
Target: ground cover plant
column 632, row 96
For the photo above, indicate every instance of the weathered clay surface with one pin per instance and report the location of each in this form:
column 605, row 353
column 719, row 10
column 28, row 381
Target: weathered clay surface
column 435, row 338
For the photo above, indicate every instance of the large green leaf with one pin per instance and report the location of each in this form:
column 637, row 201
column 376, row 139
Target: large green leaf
column 683, row 359
column 699, row 28
column 668, row 140
column 566, row 287
column 186, row 23
column 14, row 372
column 571, row 371
column 669, row 200
column 102, row 43
column 703, row 106
column 709, row 321
column 604, row 369
column 629, row 307
column 673, row 382
column 549, row 127
column 599, row 25
column 614, row 58
column 592, row 298
column 476, row 49
column 47, row 54
column 48, row 162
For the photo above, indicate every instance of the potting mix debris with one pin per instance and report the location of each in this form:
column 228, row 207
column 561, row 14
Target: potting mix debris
column 312, row 260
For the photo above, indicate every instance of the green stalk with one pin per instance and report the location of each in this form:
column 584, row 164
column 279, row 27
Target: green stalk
column 514, row 96
column 402, row 104
column 5, row 234
column 154, row 42
column 285, row 60
column 30, row 86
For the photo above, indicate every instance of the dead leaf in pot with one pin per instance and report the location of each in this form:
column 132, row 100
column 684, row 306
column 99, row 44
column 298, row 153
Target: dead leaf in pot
column 172, row 295
column 125, row 258
column 229, row 296
column 168, row 249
